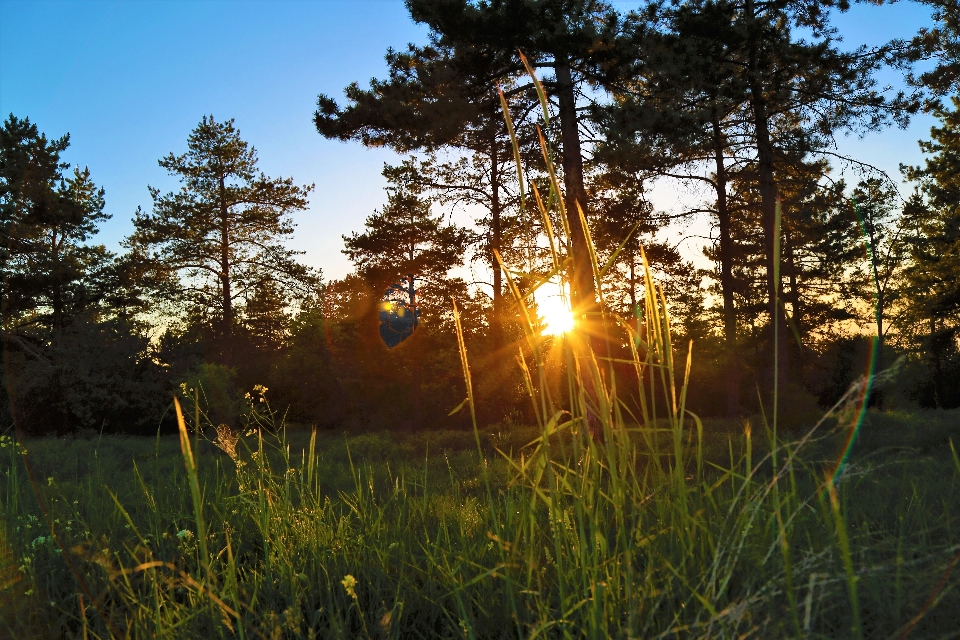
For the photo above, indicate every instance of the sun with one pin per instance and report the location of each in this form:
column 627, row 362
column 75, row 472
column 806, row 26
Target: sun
column 556, row 315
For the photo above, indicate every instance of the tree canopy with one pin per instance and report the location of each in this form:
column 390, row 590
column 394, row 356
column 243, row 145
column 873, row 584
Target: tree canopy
column 219, row 239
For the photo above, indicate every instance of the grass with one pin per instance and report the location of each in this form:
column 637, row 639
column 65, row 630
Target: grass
column 430, row 555
column 657, row 525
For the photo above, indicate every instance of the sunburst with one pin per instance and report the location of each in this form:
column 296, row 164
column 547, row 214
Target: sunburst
column 555, row 315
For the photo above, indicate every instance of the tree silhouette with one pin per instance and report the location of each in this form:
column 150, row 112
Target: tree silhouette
column 50, row 274
column 437, row 100
column 220, row 237
column 403, row 240
column 934, row 216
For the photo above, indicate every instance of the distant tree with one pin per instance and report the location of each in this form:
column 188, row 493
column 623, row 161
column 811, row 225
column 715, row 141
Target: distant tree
column 266, row 316
column 482, row 180
column 877, row 205
column 405, row 239
column 220, row 237
column 97, row 375
column 619, row 206
column 303, row 380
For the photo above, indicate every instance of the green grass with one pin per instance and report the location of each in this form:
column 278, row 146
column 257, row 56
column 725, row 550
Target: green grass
column 410, row 520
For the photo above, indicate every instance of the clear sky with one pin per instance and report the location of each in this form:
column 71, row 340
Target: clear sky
column 129, row 80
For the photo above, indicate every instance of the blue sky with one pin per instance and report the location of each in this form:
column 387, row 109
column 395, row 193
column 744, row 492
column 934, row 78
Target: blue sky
column 129, row 80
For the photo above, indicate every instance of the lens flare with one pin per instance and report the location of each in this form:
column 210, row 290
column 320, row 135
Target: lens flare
column 863, row 396
column 859, row 411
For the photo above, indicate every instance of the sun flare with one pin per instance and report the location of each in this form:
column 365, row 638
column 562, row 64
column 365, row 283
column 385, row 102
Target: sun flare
column 556, row 315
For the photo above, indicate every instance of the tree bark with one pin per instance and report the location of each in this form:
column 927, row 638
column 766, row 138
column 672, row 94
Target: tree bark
column 881, row 303
column 938, row 386
column 417, row 373
column 768, row 205
column 57, row 294
column 227, row 296
column 496, row 238
column 726, row 275
column 583, row 290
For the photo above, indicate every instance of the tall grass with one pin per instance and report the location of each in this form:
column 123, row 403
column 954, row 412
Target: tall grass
column 661, row 528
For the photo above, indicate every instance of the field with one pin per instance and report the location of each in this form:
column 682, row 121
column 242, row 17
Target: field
column 408, row 535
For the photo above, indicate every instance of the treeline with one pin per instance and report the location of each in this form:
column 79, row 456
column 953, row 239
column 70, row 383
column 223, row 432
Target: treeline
column 737, row 103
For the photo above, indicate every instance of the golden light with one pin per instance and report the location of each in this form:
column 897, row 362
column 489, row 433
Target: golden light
column 556, row 315
column 389, row 306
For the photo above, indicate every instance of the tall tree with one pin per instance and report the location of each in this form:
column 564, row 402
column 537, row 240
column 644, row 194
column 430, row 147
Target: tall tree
column 683, row 116
column 220, row 237
column 403, row 238
column 50, row 273
column 68, row 360
column 267, row 320
column 932, row 277
column 791, row 94
column 810, row 85
column 577, row 41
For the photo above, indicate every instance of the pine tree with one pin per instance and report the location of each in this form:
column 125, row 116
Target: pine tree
column 50, row 274
column 266, row 316
column 577, row 41
column 406, row 240
column 877, row 205
column 741, row 63
column 403, row 238
column 933, row 278
column 683, row 114
column 812, row 87
column 220, row 237
column 70, row 357
column 440, row 102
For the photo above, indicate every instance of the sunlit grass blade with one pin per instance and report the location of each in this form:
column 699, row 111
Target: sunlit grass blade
column 191, row 466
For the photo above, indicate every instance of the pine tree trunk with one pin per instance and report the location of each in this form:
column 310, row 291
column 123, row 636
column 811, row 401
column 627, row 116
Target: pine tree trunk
column 56, row 297
column 881, row 303
column 726, row 276
column 496, row 240
column 227, row 294
column 575, row 199
column 416, row 381
column 796, row 307
column 226, row 328
column 938, row 382
column 583, row 294
column 768, row 206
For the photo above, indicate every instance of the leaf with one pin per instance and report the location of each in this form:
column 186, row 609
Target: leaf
column 459, row 407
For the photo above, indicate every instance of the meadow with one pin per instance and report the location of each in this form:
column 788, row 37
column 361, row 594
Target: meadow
column 297, row 533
